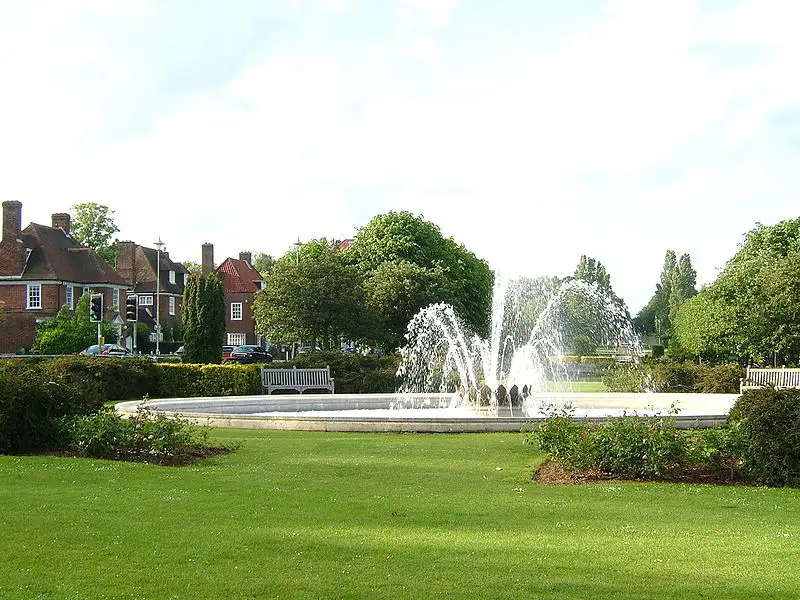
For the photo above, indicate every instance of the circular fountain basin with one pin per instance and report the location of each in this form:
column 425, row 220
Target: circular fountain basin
column 428, row 412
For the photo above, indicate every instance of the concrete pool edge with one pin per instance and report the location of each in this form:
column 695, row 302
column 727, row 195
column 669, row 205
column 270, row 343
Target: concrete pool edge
column 226, row 412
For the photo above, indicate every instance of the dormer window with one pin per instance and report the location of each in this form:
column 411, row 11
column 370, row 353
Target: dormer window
column 172, row 276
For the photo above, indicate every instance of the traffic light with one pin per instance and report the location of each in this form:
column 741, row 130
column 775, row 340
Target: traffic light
column 132, row 308
column 96, row 308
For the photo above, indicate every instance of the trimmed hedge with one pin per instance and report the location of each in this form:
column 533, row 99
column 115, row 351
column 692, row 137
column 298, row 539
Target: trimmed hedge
column 196, row 380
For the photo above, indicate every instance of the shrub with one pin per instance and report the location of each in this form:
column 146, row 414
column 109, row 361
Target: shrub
column 624, row 378
column 565, row 440
column 657, row 351
column 765, row 424
column 199, row 380
column 149, row 436
column 31, row 405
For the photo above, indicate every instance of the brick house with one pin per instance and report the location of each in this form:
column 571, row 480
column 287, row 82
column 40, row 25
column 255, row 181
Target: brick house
column 43, row 268
column 240, row 282
column 140, row 268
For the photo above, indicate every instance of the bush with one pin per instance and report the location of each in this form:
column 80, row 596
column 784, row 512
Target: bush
column 565, row 440
column 657, row 351
column 199, row 380
column 765, row 424
column 153, row 437
column 686, row 376
column 624, row 378
column 31, row 405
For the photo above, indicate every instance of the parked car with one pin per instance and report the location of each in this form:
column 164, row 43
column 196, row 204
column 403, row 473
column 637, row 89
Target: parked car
column 105, row 350
column 226, row 353
column 180, row 351
column 250, row 354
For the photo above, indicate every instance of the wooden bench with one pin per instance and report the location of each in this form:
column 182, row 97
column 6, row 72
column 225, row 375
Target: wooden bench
column 296, row 379
column 777, row 378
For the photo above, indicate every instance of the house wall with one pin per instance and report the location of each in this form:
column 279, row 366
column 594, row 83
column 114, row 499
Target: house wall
column 19, row 329
column 247, row 324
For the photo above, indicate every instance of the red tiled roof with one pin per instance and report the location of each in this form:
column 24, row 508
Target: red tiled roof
column 56, row 255
column 238, row 276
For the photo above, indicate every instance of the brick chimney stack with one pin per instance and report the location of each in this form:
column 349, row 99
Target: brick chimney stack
column 62, row 220
column 207, row 259
column 12, row 219
column 246, row 257
column 126, row 259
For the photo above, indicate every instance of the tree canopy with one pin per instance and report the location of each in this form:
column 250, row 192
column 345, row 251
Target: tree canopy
column 751, row 309
column 677, row 285
column 92, row 225
column 407, row 264
column 313, row 295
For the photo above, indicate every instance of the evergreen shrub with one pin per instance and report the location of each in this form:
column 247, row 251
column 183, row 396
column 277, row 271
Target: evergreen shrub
column 765, row 424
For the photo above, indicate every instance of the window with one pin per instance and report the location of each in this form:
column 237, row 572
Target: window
column 145, row 300
column 86, row 290
column 34, row 295
column 236, row 311
column 236, row 339
column 115, row 298
column 68, row 299
column 172, row 305
column 172, row 276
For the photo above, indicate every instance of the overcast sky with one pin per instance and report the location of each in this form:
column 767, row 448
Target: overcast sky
column 531, row 131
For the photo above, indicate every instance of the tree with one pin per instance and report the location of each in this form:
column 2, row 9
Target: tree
column 93, row 227
column 751, row 308
column 593, row 271
column 676, row 286
column 449, row 272
column 193, row 267
column 312, row 295
column 69, row 331
column 203, row 319
column 263, row 263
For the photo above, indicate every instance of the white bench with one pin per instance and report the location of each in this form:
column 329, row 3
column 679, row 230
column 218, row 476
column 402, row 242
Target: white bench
column 296, row 379
column 777, row 378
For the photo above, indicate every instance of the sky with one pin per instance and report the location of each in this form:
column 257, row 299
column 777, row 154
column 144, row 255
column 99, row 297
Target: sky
column 531, row 131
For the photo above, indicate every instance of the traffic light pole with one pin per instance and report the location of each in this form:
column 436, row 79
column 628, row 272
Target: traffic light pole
column 99, row 338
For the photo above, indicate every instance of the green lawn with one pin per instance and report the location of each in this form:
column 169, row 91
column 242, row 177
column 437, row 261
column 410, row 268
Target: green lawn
column 332, row 515
column 576, row 386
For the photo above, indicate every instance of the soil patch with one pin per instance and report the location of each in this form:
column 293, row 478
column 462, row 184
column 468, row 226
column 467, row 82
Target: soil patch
column 553, row 473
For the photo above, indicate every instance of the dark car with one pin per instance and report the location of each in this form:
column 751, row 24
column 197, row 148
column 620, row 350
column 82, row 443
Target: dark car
column 226, row 353
column 250, row 354
column 106, row 350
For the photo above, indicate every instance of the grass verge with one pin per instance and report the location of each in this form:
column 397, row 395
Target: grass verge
column 332, row 515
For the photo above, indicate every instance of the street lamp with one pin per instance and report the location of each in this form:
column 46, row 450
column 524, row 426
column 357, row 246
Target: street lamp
column 159, row 245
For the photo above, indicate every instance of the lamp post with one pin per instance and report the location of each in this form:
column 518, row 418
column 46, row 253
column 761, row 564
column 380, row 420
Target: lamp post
column 159, row 245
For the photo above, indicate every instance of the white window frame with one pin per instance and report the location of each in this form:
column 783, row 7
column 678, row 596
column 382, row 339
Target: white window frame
column 145, row 300
column 237, row 339
column 237, row 308
column 69, row 298
column 172, row 276
column 34, row 296
column 86, row 290
column 172, row 305
column 115, row 297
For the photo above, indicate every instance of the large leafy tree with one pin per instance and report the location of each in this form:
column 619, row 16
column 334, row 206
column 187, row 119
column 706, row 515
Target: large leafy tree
column 203, row 319
column 677, row 285
column 92, row 225
column 751, row 310
column 263, row 263
column 312, row 294
column 70, row 331
column 407, row 264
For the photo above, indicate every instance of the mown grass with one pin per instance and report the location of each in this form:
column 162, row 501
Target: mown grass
column 576, row 386
column 332, row 515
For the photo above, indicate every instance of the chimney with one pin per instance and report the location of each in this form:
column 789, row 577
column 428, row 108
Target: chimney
column 12, row 219
column 126, row 256
column 207, row 259
column 61, row 220
column 246, row 257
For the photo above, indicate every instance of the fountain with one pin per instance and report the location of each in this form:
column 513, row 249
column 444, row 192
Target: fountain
column 533, row 324
column 457, row 381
